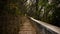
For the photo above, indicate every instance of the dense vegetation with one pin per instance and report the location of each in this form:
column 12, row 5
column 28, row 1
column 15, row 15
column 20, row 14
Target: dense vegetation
column 44, row 10
column 10, row 16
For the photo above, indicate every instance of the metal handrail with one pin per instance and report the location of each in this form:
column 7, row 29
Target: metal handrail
column 47, row 26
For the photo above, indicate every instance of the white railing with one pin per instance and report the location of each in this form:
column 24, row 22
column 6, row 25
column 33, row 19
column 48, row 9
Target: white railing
column 46, row 28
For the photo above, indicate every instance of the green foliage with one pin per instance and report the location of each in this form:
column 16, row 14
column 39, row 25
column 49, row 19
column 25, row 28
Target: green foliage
column 47, row 14
column 41, row 9
column 14, row 7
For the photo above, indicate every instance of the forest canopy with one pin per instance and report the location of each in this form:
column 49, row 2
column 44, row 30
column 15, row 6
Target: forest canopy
column 44, row 10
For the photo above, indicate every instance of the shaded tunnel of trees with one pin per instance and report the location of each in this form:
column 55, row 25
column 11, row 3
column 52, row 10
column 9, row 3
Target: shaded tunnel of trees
column 43, row 10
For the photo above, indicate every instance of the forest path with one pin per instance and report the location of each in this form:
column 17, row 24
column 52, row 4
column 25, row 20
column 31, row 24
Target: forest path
column 27, row 27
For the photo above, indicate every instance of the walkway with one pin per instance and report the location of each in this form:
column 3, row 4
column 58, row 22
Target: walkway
column 27, row 27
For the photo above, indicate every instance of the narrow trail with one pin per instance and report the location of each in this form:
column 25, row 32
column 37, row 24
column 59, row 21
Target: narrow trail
column 27, row 27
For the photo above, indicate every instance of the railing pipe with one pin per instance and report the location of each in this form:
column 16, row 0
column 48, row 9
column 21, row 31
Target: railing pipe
column 47, row 28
